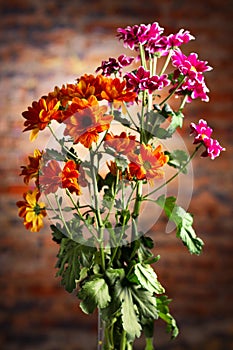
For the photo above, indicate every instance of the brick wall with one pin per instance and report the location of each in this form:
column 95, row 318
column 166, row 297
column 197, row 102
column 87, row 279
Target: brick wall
column 46, row 43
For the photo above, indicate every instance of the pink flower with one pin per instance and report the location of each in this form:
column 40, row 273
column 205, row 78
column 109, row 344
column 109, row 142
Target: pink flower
column 141, row 80
column 194, row 89
column 213, row 148
column 202, row 133
column 156, row 83
column 176, row 40
column 138, row 34
column 190, row 65
column 157, row 46
column 112, row 66
column 124, row 60
column 137, row 78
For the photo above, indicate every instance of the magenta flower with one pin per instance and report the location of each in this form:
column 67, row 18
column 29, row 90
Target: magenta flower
column 136, row 79
column 202, row 133
column 124, row 60
column 138, row 34
column 141, row 80
column 113, row 66
column 176, row 40
column 157, row 46
column 194, row 89
column 190, row 65
column 156, row 83
column 213, row 148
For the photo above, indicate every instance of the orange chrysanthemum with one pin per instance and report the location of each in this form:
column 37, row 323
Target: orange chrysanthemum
column 147, row 163
column 31, row 170
column 89, row 85
column 114, row 90
column 32, row 211
column 122, row 143
column 54, row 177
column 40, row 115
column 85, row 125
column 50, row 179
column 70, row 175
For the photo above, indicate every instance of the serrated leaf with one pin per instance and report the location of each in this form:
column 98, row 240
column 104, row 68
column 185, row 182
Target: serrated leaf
column 176, row 121
column 148, row 278
column 146, row 303
column 164, row 314
column 68, row 264
column 178, row 159
column 53, row 154
column 183, row 221
column 94, row 293
column 130, row 321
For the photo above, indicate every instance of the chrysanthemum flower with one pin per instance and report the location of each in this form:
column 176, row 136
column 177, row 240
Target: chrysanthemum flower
column 116, row 91
column 122, row 143
column 176, row 40
column 190, row 65
column 40, row 115
column 32, row 211
column 147, row 163
column 132, row 36
column 50, row 178
column 31, row 170
column 70, row 176
column 113, row 65
column 202, row 133
column 141, row 80
column 85, row 125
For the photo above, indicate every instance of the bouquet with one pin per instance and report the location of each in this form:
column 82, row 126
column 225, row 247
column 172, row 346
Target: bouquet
column 101, row 179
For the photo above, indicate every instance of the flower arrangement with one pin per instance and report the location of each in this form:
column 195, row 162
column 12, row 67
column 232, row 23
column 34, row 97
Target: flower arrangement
column 104, row 162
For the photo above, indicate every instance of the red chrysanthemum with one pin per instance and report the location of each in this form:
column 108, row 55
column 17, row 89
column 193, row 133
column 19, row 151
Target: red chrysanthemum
column 85, row 125
column 40, row 115
column 31, row 170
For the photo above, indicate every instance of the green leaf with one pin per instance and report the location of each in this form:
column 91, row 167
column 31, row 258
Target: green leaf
column 148, row 278
column 146, row 303
column 119, row 118
column 94, row 293
column 176, row 121
column 164, row 314
column 53, row 154
column 68, row 264
column 184, row 222
column 57, row 233
column 130, row 321
column 178, row 159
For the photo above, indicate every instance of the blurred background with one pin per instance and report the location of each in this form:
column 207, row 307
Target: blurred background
column 47, row 43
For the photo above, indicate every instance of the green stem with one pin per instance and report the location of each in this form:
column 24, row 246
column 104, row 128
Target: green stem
column 80, row 214
column 175, row 175
column 173, row 92
column 138, row 200
column 183, row 103
column 62, row 217
column 142, row 55
column 149, row 344
column 131, row 119
column 114, row 196
column 99, row 221
column 166, row 62
column 62, row 146
column 142, row 117
column 123, row 340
